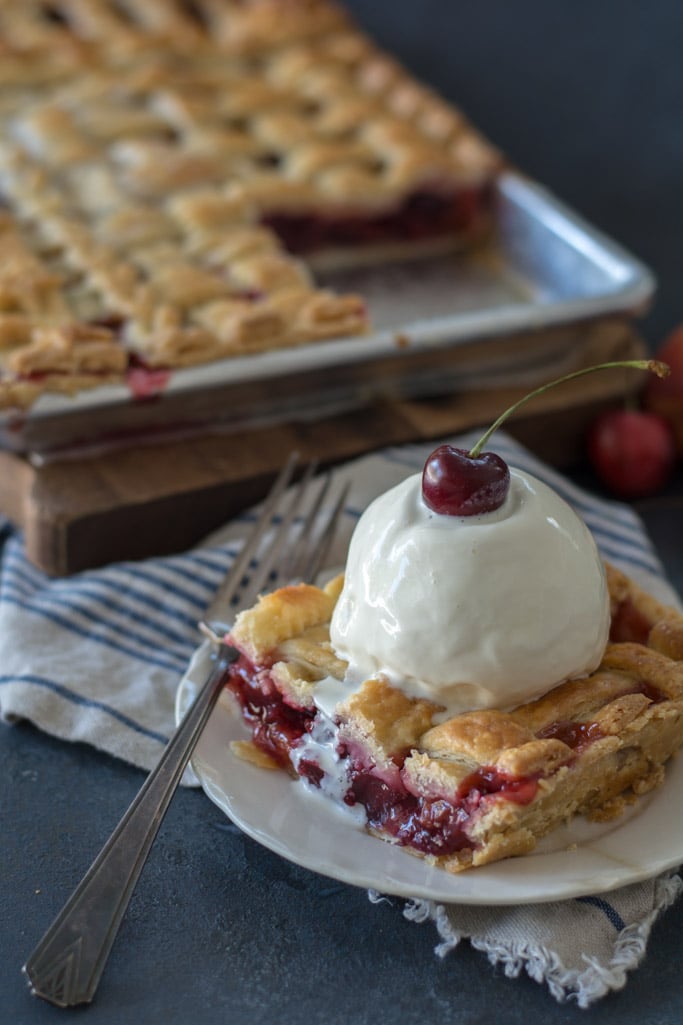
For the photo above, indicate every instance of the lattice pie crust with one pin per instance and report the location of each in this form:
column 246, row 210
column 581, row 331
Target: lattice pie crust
column 483, row 785
column 164, row 166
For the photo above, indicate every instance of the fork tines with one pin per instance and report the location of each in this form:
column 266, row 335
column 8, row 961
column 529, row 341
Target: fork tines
column 296, row 551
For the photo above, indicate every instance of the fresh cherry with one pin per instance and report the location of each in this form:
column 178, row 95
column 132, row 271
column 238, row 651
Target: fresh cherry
column 632, row 451
column 460, row 483
column 456, row 484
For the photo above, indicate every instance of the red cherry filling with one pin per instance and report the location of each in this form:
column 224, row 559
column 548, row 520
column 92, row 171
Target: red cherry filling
column 629, row 624
column 423, row 215
column 574, row 734
column 275, row 726
column 432, row 825
column 455, row 483
column 632, row 450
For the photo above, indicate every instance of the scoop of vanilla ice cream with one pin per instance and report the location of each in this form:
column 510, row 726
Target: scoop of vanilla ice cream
column 472, row 611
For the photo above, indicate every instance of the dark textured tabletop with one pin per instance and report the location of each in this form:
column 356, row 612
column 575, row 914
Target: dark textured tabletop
column 588, row 98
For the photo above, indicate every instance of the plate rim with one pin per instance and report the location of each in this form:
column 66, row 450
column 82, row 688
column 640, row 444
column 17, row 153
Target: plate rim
column 585, row 868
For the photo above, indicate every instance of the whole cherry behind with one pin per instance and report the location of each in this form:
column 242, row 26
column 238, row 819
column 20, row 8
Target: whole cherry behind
column 632, row 451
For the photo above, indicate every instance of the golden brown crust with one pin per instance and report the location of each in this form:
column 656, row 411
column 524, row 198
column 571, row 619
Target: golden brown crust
column 480, row 736
column 384, row 720
column 145, row 150
column 281, row 616
column 249, row 752
column 587, row 747
column 76, row 348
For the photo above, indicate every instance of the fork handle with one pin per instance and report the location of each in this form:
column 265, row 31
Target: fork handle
column 66, row 966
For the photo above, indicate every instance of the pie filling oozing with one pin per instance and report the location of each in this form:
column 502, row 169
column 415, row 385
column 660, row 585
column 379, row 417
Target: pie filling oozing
column 433, row 825
column 449, row 818
column 423, row 215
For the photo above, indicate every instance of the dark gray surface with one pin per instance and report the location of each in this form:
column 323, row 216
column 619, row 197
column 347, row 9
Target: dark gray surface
column 588, row 98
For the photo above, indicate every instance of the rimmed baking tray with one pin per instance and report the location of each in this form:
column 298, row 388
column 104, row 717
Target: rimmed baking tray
column 440, row 324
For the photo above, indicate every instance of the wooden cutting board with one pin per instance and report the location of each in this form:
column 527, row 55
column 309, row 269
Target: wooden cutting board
column 160, row 498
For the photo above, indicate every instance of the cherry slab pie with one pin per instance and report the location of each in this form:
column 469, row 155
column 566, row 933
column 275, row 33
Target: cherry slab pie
column 172, row 174
column 480, row 786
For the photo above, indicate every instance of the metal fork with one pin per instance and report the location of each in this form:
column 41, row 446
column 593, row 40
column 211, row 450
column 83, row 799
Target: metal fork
column 66, row 966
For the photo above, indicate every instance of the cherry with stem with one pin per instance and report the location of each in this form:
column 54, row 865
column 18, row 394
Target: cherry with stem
column 460, row 483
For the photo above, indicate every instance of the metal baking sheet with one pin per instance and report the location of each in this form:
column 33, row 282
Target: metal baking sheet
column 434, row 323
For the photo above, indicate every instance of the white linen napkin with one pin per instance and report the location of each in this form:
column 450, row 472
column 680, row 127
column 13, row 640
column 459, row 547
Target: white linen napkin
column 97, row 657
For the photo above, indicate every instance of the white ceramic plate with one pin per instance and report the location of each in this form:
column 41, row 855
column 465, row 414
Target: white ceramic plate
column 282, row 815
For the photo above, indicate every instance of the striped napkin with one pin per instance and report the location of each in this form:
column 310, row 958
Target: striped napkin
column 97, row 658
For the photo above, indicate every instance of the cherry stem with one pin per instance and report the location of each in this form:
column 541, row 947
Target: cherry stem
column 655, row 366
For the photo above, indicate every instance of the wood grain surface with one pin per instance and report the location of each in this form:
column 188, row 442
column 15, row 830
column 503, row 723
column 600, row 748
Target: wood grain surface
column 151, row 499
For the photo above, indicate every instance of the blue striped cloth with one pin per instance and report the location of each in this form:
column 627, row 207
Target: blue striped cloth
column 97, row 658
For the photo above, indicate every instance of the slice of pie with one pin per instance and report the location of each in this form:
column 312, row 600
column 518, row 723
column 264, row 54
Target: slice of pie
column 480, row 786
column 170, row 174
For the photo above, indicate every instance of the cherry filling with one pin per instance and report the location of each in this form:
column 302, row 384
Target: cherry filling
column 422, row 215
column 311, row 771
column 432, row 825
column 275, row 726
column 653, row 693
column 575, row 735
column 436, row 825
column 629, row 625
column 113, row 322
column 144, row 381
